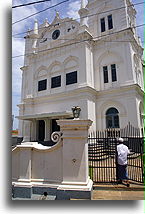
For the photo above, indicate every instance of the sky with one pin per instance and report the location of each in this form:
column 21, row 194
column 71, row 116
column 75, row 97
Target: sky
column 67, row 9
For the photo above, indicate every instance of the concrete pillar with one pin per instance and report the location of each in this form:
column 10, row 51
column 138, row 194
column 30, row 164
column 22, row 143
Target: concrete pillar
column 47, row 129
column 75, row 154
column 27, row 133
column 33, row 130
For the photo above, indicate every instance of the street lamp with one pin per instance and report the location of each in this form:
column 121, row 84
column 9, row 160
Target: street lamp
column 76, row 112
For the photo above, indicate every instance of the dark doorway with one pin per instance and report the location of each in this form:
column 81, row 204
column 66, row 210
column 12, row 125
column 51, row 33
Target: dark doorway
column 55, row 127
column 41, row 130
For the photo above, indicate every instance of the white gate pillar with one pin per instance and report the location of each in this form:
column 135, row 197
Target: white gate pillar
column 75, row 155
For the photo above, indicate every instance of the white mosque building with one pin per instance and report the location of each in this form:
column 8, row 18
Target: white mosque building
column 95, row 64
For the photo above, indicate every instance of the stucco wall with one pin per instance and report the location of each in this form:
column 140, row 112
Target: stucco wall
column 127, row 104
column 37, row 163
column 49, row 165
column 92, row 51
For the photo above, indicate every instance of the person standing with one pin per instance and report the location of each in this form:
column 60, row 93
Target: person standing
column 122, row 152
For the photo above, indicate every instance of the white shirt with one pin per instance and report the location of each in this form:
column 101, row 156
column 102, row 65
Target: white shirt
column 122, row 151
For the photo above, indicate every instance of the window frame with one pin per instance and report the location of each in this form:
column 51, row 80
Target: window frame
column 71, row 80
column 56, row 81
column 105, row 74
column 110, row 22
column 113, row 73
column 42, row 87
column 103, row 25
column 113, row 117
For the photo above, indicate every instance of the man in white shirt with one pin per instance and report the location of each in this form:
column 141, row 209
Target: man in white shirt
column 122, row 152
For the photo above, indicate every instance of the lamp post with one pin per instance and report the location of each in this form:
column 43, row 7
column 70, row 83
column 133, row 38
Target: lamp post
column 76, row 112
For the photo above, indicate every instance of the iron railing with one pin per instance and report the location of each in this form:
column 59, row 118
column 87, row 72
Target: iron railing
column 102, row 150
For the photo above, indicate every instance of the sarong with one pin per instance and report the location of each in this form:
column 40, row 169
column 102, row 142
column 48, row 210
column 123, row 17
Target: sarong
column 122, row 172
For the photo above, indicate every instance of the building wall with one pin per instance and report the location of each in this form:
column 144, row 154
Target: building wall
column 125, row 101
column 105, row 56
column 121, row 48
column 98, row 7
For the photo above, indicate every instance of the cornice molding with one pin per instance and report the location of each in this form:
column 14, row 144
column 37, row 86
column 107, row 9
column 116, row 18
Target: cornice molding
column 74, row 92
column 128, row 88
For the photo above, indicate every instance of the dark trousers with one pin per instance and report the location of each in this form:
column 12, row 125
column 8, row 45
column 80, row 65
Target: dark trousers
column 122, row 172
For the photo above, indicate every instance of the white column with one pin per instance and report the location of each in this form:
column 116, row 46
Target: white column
column 26, row 137
column 33, row 130
column 75, row 152
column 47, row 129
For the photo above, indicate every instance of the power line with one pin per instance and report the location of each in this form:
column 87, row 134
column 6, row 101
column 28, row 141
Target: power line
column 36, row 2
column 77, row 42
column 47, row 38
column 87, row 16
column 94, row 37
column 39, row 12
column 137, row 26
column 42, row 38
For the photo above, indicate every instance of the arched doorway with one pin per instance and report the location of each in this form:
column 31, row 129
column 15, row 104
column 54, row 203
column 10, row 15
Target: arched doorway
column 112, row 118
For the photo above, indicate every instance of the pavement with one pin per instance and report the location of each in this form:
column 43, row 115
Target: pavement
column 105, row 192
column 118, row 192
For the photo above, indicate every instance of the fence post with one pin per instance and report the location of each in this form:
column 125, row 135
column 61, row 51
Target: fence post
column 75, row 158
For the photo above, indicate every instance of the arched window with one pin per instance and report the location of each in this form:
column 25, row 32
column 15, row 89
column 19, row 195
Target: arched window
column 112, row 118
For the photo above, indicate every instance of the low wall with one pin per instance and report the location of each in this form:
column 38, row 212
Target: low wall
column 62, row 167
column 38, row 163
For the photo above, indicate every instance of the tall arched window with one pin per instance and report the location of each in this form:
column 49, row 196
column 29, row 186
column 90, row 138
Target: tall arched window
column 112, row 118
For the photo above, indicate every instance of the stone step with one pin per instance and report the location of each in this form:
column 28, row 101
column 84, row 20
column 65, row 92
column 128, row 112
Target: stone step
column 42, row 197
column 38, row 197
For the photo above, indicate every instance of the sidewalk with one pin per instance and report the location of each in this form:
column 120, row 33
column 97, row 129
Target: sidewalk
column 104, row 192
column 118, row 192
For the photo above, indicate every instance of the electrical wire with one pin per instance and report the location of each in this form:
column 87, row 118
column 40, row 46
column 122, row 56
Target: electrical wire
column 30, row 3
column 47, row 38
column 40, row 11
column 139, row 3
column 77, row 42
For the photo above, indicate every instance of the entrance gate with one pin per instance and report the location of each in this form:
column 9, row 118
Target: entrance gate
column 102, row 155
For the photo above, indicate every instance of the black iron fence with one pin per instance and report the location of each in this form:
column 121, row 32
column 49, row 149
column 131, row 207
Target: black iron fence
column 103, row 153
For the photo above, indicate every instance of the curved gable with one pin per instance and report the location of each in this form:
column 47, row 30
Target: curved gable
column 55, row 67
column 41, row 71
column 109, row 57
column 70, row 62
